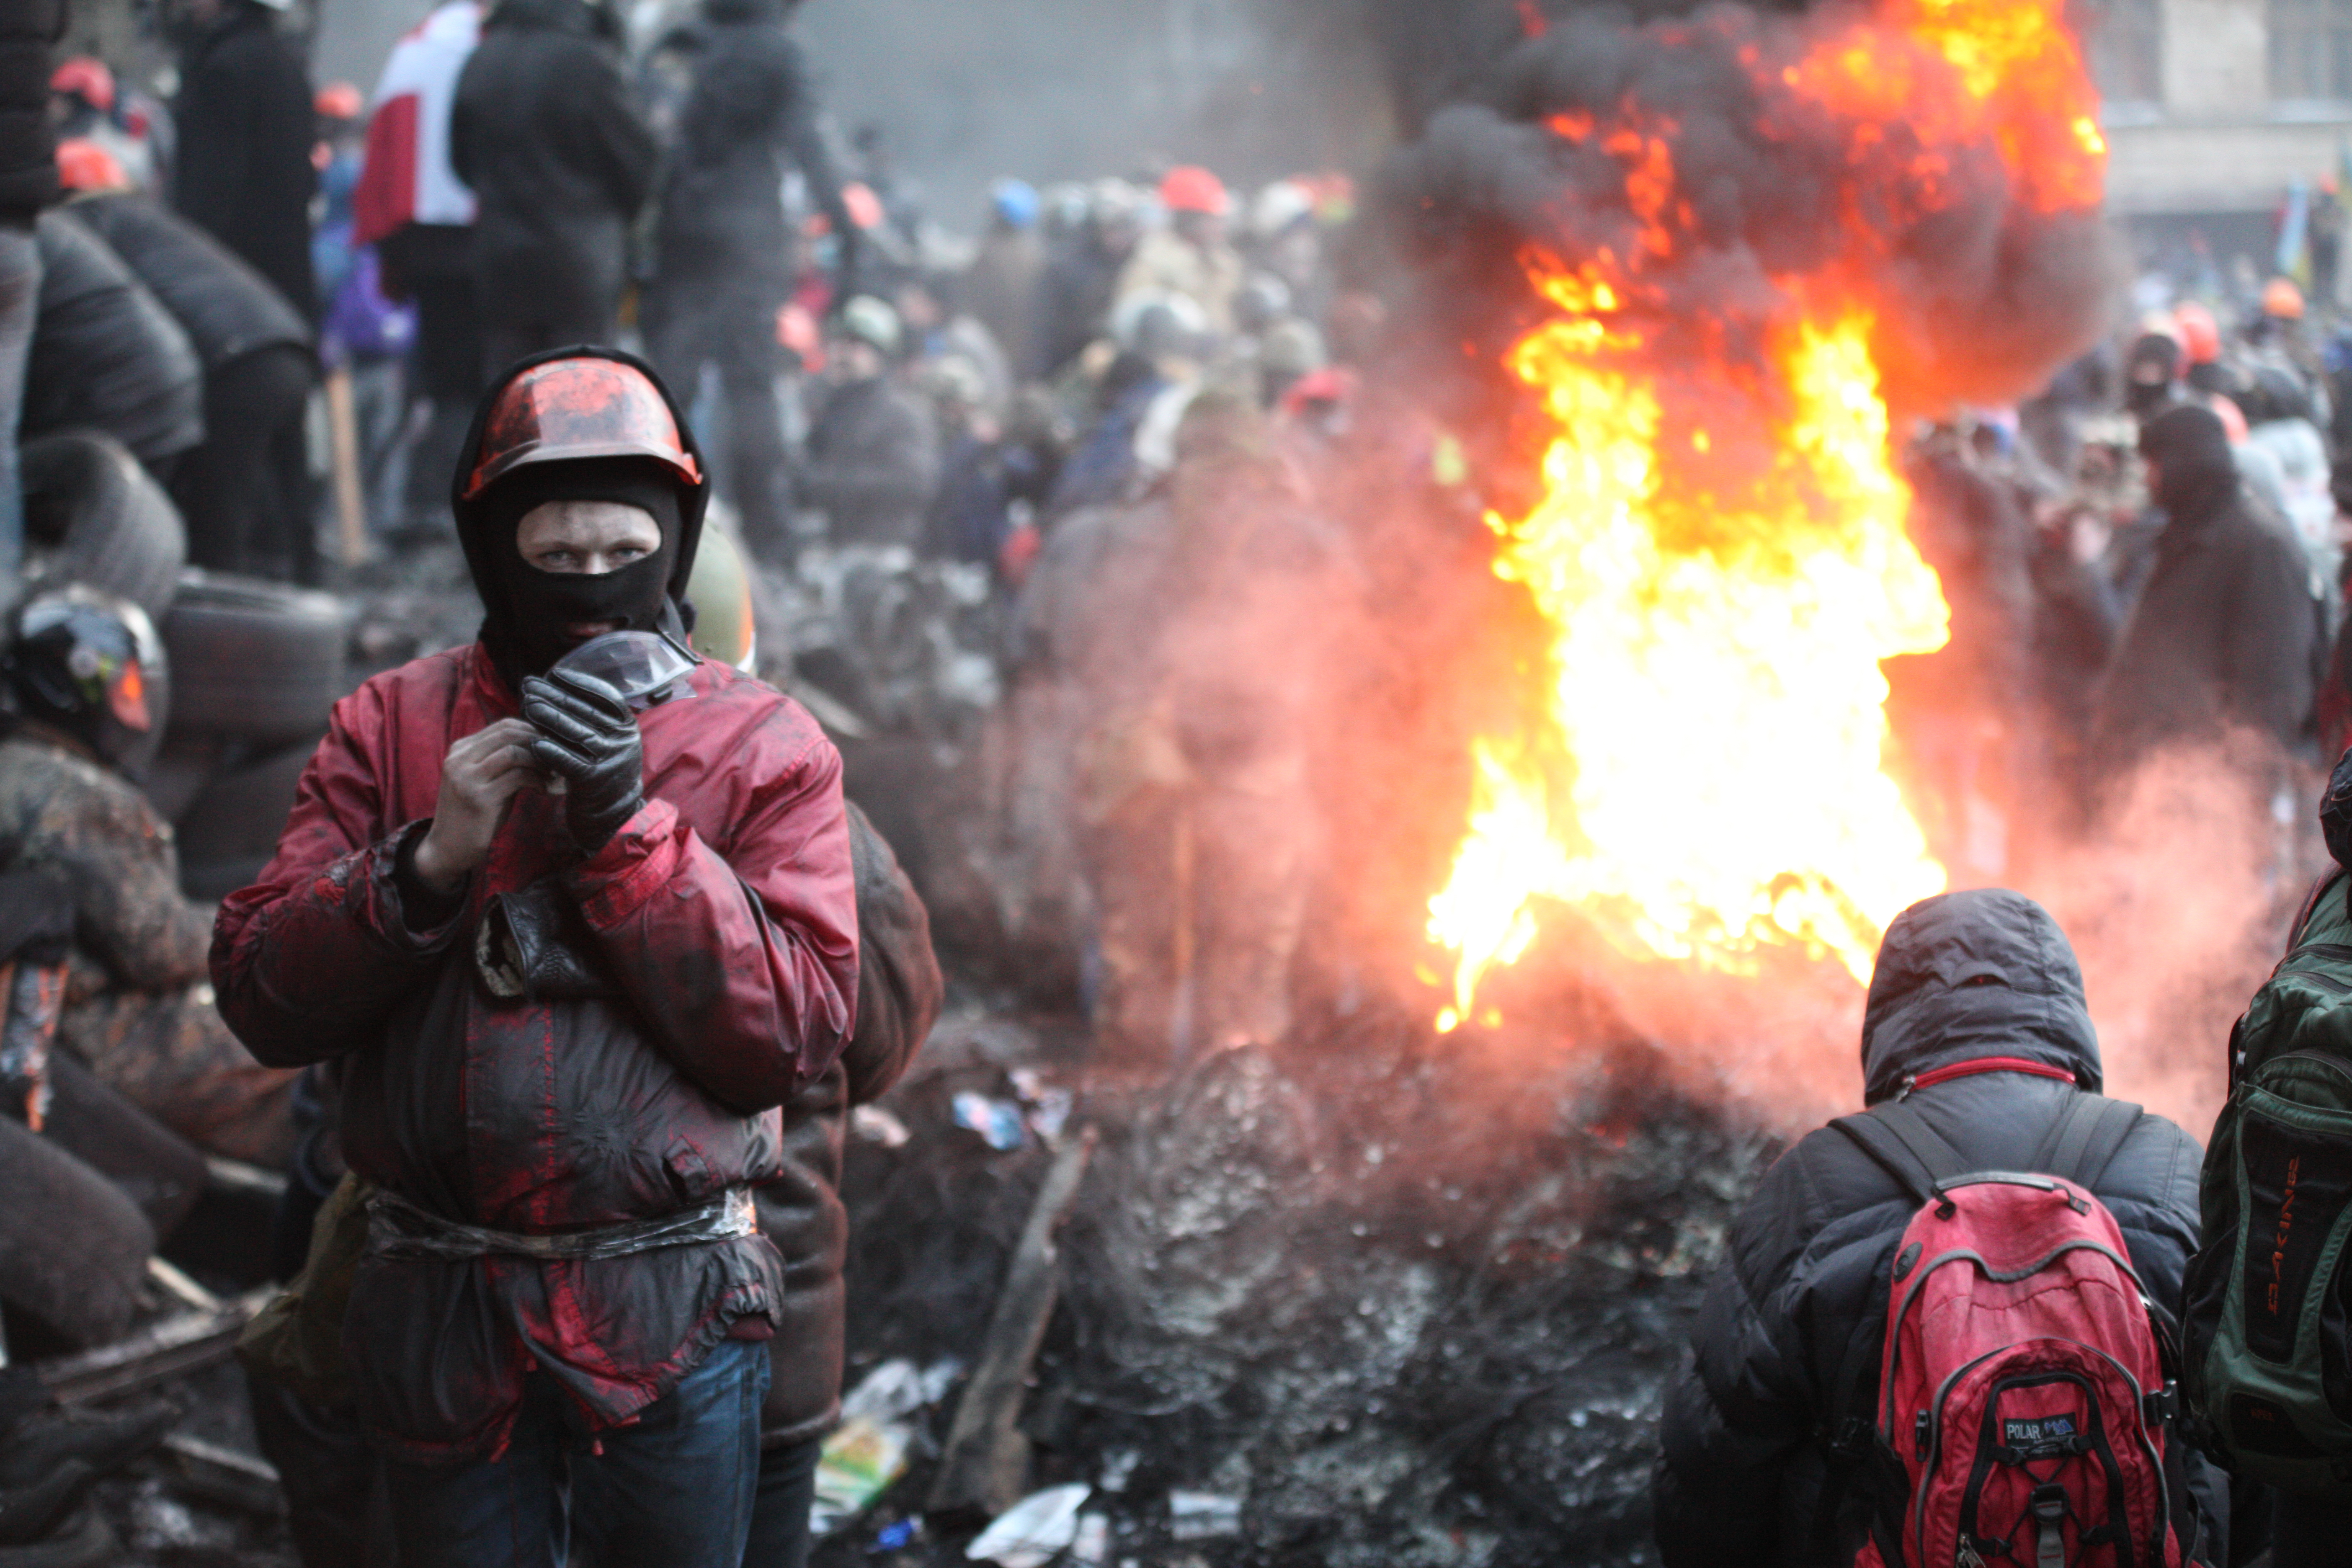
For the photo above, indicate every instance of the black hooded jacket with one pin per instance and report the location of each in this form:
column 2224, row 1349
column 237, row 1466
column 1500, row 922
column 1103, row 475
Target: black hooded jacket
column 247, row 127
column 2227, row 633
column 752, row 105
column 545, row 132
column 1961, row 976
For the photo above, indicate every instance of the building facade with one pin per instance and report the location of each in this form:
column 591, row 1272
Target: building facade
column 2214, row 107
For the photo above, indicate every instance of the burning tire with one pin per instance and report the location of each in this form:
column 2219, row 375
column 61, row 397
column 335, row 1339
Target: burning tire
column 73, row 1246
column 253, row 660
column 93, row 515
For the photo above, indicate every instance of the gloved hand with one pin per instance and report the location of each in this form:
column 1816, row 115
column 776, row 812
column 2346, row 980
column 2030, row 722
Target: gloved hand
column 589, row 739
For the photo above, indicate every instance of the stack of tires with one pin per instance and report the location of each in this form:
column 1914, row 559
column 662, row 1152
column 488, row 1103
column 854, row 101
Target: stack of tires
column 255, row 667
column 252, row 667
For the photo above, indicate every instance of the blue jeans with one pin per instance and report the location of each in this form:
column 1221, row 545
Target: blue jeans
column 20, row 288
column 672, row 1490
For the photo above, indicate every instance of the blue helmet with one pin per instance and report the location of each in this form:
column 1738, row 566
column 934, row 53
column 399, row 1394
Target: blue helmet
column 1014, row 202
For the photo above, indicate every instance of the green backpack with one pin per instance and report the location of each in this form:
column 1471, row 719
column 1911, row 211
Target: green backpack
column 2268, row 1364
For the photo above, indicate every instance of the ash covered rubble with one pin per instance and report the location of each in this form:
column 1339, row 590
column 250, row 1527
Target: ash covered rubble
column 1372, row 1297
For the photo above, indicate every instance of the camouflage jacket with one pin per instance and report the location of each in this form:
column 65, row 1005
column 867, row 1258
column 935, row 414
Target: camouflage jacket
column 132, row 928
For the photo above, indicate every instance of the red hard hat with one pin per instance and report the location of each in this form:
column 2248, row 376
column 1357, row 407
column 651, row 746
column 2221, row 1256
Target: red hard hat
column 87, row 78
column 587, row 406
column 2200, row 335
column 339, row 100
column 84, row 165
column 1189, row 188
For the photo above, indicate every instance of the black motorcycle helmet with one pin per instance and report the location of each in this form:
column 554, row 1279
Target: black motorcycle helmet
column 88, row 666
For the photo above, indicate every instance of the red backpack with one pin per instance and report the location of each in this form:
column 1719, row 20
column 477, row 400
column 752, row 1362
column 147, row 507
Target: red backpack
column 2023, row 1390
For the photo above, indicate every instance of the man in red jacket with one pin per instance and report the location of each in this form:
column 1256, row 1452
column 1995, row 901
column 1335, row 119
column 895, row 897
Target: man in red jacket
column 562, row 1021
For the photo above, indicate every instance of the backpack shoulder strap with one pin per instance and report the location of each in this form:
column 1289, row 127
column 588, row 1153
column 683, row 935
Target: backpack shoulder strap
column 1900, row 1141
column 2086, row 1138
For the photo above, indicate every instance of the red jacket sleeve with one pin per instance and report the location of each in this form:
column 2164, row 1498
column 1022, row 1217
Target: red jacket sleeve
column 744, row 967
column 309, row 961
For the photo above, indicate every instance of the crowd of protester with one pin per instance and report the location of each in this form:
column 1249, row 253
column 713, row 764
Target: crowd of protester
column 571, row 290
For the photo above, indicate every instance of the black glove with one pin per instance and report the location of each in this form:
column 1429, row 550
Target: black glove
column 588, row 738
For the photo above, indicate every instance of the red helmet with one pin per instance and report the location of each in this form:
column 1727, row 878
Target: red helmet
column 2201, row 334
column 1189, row 188
column 86, row 77
column 583, row 407
column 84, row 165
column 339, row 100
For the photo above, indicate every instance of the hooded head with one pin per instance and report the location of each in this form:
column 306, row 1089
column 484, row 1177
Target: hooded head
column 2151, row 372
column 2195, row 473
column 577, row 425
column 1980, row 974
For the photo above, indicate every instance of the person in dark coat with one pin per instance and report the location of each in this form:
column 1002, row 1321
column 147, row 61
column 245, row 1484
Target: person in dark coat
column 246, row 124
column 245, row 492
column 1001, row 287
column 560, row 160
column 873, row 450
column 2227, row 633
column 1081, row 277
column 28, row 181
column 724, row 254
column 1744, row 1476
column 563, row 1024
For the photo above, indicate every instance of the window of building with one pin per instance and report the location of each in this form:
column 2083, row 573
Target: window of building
column 2311, row 49
column 2128, row 47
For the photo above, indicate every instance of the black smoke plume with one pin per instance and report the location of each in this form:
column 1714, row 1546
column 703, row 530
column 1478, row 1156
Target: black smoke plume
column 1978, row 295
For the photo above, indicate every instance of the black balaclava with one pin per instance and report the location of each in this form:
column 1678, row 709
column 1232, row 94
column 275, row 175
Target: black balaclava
column 2149, row 370
column 2195, row 474
column 524, row 628
column 525, row 610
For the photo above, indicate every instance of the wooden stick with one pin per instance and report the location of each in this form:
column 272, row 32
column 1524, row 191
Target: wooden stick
column 985, row 1468
column 343, row 438
column 184, row 1342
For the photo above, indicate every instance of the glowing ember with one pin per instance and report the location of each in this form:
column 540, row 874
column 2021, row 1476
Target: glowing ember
column 1720, row 545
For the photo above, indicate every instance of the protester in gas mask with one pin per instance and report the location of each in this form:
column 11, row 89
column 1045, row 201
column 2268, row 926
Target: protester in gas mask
column 568, row 958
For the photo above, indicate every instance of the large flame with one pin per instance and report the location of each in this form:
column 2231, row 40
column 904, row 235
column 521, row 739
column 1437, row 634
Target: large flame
column 1719, row 548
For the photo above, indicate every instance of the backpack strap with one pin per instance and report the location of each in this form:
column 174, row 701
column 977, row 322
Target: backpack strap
column 2085, row 1139
column 1900, row 1142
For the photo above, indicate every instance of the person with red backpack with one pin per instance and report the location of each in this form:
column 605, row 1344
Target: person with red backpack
column 1941, row 1336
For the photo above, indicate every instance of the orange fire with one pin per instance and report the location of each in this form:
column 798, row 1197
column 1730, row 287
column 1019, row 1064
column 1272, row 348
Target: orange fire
column 1719, row 548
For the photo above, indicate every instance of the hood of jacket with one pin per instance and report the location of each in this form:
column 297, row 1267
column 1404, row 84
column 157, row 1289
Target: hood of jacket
column 1980, row 974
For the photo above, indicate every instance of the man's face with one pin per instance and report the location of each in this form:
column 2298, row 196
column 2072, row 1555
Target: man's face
column 586, row 538
column 853, row 359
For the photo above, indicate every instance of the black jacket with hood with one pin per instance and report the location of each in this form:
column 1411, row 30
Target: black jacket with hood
column 752, row 106
column 1961, row 976
column 546, row 134
column 246, row 128
column 2227, row 633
